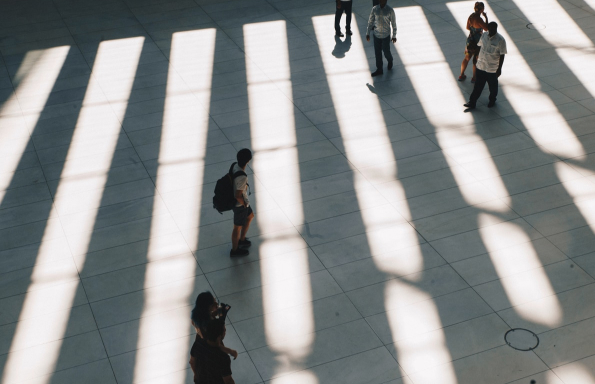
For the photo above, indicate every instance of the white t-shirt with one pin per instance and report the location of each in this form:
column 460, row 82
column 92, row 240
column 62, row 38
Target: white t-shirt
column 491, row 49
column 240, row 183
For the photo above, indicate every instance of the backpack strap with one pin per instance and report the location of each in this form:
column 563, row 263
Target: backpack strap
column 232, row 176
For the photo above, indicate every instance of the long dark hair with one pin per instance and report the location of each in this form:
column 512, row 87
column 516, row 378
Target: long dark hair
column 200, row 313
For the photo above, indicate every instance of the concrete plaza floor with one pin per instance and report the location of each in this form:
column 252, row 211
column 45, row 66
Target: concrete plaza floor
column 396, row 240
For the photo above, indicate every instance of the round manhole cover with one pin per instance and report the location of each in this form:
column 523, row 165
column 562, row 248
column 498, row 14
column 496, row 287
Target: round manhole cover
column 521, row 339
column 535, row 26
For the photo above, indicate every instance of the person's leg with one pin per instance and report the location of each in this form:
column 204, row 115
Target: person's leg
column 338, row 13
column 464, row 66
column 386, row 43
column 235, row 237
column 492, row 80
column 480, row 83
column 246, row 226
column 378, row 53
column 240, row 215
column 475, row 65
column 347, row 6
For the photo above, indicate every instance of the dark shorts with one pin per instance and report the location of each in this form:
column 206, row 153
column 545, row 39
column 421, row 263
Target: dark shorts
column 240, row 215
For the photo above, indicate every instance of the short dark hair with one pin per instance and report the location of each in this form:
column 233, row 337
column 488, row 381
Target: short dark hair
column 493, row 24
column 480, row 4
column 244, row 156
column 214, row 329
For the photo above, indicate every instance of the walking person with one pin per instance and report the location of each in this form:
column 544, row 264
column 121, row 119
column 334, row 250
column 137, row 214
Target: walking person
column 207, row 309
column 209, row 364
column 489, row 65
column 343, row 6
column 476, row 26
column 242, row 212
column 381, row 19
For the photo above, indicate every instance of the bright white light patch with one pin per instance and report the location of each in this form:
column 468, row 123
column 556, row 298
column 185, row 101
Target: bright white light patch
column 36, row 77
column 520, row 292
column 183, row 146
column 268, row 70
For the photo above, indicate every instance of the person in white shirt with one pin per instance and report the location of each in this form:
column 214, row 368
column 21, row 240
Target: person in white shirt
column 381, row 19
column 343, row 6
column 489, row 65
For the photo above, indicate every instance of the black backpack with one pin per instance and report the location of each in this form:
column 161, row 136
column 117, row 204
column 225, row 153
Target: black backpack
column 225, row 197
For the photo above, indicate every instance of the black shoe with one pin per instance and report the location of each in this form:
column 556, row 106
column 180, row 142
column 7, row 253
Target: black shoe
column 338, row 33
column 377, row 73
column 390, row 66
column 239, row 252
column 469, row 105
column 491, row 104
column 349, row 32
column 245, row 243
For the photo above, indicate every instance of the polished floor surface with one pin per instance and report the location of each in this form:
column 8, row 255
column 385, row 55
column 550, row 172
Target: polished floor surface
column 397, row 238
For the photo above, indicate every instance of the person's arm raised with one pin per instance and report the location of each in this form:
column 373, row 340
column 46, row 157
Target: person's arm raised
column 484, row 24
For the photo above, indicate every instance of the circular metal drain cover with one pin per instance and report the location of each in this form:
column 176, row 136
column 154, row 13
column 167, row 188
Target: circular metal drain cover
column 535, row 26
column 521, row 339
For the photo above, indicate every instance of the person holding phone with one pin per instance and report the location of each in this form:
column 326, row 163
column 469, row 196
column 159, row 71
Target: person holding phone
column 476, row 26
column 207, row 309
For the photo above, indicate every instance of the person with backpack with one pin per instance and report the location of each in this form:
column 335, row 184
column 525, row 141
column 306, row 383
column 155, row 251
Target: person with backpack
column 242, row 211
column 231, row 193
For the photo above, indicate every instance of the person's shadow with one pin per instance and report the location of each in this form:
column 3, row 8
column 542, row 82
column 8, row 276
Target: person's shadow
column 341, row 47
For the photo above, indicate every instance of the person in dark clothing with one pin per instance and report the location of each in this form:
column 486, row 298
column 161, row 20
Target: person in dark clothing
column 205, row 310
column 343, row 6
column 209, row 364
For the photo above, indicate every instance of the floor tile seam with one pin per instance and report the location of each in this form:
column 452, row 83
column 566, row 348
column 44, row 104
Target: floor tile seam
column 94, row 231
column 99, row 207
column 426, row 195
column 530, row 241
column 203, row 157
column 436, row 366
column 147, row 346
column 177, row 255
column 543, row 267
column 543, row 297
column 536, row 373
column 276, row 170
column 21, row 205
column 55, row 262
column 261, row 346
column 263, row 315
column 296, row 129
column 89, row 209
column 573, row 203
column 188, row 134
column 120, row 295
column 53, row 373
column 433, row 298
column 493, row 213
column 366, row 231
column 262, row 285
column 591, row 318
column 97, row 173
column 392, row 277
column 41, row 32
column 302, row 369
column 21, row 350
column 45, row 287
